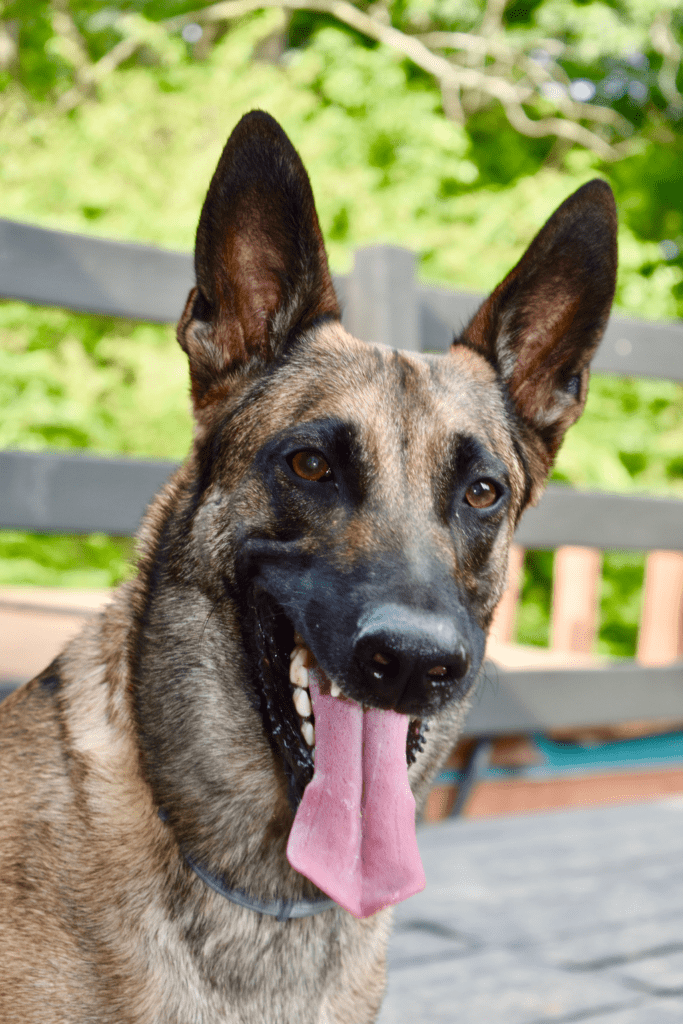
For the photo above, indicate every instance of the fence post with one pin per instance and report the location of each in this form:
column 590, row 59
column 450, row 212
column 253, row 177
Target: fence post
column 576, row 599
column 381, row 297
column 660, row 640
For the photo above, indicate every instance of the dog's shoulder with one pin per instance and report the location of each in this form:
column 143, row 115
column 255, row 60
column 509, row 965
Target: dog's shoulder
column 30, row 735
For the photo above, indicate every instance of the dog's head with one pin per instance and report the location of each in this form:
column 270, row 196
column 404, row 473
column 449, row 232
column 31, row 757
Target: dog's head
column 360, row 501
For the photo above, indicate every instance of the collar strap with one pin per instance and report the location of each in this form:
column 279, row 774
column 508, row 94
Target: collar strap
column 282, row 910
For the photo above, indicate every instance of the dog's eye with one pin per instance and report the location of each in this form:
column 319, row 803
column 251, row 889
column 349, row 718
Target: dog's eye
column 481, row 494
column 310, row 466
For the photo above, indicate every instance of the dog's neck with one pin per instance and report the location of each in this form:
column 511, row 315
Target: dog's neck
column 281, row 909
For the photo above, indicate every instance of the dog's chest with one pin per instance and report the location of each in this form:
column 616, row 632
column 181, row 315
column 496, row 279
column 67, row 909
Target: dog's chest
column 324, row 970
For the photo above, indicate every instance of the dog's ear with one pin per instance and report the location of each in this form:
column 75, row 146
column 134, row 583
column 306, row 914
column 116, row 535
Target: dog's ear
column 260, row 260
column 542, row 324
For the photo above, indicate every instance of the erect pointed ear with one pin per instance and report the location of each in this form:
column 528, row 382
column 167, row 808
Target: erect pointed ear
column 260, row 261
column 542, row 324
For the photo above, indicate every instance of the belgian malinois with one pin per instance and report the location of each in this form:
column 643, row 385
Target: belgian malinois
column 208, row 800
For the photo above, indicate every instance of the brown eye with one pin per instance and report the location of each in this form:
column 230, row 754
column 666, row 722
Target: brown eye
column 310, row 466
column 481, row 494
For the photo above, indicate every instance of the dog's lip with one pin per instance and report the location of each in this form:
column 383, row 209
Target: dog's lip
column 309, row 660
column 305, row 660
column 291, row 734
column 273, row 641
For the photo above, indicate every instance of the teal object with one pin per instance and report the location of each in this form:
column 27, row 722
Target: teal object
column 570, row 758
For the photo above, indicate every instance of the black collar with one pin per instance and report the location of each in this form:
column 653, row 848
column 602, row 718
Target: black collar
column 281, row 909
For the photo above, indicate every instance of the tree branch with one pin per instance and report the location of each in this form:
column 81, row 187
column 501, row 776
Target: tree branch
column 98, row 71
column 562, row 128
column 453, row 79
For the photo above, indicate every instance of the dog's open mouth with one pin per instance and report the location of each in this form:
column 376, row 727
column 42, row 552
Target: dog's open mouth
column 354, row 827
column 286, row 707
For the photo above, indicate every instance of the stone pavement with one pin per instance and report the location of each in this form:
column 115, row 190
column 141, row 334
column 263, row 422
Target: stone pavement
column 545, row 919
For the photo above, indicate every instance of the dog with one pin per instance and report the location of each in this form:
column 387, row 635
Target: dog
column 209, row 798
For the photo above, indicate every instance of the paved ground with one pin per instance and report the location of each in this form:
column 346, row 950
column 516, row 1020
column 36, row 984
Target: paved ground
column 556, row 917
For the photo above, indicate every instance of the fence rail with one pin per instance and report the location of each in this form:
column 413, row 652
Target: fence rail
column 52, row 492
column 381, row 298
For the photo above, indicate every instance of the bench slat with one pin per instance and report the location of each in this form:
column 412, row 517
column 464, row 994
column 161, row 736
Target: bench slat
column 144, row 282
column 94, row 275
column 576, row 599
column 607, row 521
column 66, row 492
column 631, row 347
column 542, row 700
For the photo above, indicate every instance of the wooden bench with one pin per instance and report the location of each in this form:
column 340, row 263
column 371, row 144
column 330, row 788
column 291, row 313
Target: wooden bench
column 525, row 690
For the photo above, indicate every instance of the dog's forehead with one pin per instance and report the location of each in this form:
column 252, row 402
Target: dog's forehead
column 369, row 383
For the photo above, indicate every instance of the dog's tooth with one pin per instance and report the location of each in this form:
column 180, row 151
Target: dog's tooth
column 298, row 674
column 308, row 733
column 335, row 691
column 302, row 702
column 301, row 653
column 298, row 655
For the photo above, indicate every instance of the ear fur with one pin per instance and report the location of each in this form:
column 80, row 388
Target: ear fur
column 260, row 261
column 542, row 324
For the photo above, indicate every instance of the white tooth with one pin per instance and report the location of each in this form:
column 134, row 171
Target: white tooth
column 301, row 654
column 334, row 690
column 308, row 732
column 298, row 674
column 302, row 702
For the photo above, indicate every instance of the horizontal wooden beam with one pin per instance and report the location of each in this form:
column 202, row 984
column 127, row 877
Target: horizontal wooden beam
column 144, row 282
column 539, row 700
column 94, row 275
column 594, row 519
column 62, row 492
column 50, row 492
column 630, row 347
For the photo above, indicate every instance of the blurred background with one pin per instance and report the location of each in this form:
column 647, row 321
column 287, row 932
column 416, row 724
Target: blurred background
column 451, row 127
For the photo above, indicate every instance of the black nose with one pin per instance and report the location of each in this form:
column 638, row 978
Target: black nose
column 409, row 660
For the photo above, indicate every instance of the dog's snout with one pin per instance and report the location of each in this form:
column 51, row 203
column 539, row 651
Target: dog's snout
column 408, row 659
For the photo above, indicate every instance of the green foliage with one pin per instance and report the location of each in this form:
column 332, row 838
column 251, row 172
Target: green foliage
column 49, row 560
column 533, row 616
column 630, row 438
column 620, row 600
column 74, row 381
column 622, row 582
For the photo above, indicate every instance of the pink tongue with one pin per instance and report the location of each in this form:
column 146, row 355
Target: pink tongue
column 354, row 831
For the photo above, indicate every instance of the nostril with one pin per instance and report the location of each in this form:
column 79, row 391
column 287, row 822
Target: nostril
column 384, row 666
column 452, row 669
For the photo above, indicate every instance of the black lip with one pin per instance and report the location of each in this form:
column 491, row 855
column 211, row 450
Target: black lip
column 273, row 642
